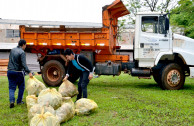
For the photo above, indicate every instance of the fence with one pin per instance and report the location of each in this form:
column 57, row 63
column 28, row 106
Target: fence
column 3, row 66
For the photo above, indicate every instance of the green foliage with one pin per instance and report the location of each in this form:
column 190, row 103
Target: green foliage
column 183, row 16
column 121, row 24
column 122, row 100
column 135, row 6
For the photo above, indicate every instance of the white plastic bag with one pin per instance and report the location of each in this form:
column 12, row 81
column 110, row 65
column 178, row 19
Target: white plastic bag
column 44, row 119
column 85, row 106
column 37, row 109
column 30, row 101
column 66, row 111
column 41, row 86
column 67, row 89
column 34, row 86
column 50, row 97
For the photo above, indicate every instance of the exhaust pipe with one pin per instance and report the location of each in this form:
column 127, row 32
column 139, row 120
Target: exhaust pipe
column 140, row 72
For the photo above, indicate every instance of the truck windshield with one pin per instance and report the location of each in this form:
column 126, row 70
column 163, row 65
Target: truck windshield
column 153, row 24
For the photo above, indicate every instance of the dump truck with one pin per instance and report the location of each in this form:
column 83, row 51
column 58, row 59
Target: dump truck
column 155, row 51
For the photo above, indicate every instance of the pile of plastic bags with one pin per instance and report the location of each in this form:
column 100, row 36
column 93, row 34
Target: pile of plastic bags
column 49, row 107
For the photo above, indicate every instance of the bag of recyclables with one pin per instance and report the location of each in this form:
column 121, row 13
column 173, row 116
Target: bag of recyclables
column 37, row 109
column 34, row 86
column 85, row 106
column 50, row 97
column 66, row 111
column 67, row 89
column 30, row 101
column 44, row 119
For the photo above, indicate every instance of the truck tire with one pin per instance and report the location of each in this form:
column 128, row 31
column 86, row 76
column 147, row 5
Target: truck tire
column 173, row 77
column 73, row 78
column 53, row 73
column 74, row 74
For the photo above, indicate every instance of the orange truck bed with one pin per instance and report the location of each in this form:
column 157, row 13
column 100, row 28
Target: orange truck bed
column 99, row 40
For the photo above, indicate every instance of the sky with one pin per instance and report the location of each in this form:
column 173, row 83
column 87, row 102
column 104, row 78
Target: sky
column 53, row 10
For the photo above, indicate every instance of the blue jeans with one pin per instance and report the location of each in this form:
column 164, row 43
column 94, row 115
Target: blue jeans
column 82, row 84
column 16, row 79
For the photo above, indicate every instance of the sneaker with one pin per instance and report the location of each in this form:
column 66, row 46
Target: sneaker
column 11, row 105
column 20, row 103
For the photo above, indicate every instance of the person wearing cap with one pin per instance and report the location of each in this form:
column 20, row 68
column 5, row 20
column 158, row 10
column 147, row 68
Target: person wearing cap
column 16, row 72
column 85, row 66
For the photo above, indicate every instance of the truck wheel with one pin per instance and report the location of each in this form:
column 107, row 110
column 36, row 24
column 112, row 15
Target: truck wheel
column 53, row 73
column 73, row 78
column 74, row 74
column 173, row 77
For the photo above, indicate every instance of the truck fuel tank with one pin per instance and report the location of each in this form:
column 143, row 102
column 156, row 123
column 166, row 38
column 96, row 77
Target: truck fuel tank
column 108, row 68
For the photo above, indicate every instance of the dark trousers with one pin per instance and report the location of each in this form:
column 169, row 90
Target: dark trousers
column 16, row 79
column 82, row 85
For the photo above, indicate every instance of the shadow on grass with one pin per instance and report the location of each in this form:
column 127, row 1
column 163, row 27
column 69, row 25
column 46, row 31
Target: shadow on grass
column 188, row 87
column 147, row 85
column 120, row 85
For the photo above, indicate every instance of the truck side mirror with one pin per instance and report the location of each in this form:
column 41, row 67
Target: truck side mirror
column 166, row 24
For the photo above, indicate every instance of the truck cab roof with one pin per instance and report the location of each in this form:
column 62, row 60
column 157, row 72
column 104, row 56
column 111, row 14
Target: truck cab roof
column 149, row 12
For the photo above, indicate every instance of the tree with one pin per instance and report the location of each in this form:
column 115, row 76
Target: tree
column 151, row 4
column 135, row 6
column 156, row 5
column 183, row 17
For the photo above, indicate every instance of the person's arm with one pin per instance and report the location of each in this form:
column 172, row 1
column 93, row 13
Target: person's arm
column 87, row 65
column 23, row 61
column 90, row 76
column 68, row 68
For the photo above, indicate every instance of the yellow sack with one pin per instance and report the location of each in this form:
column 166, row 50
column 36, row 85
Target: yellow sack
column 41, row 86
column 67, row 89
column 44, row 119
column 34, row 86
column 66, row 111
column 68, row 100
column 85, row 106
column 50, row 97
column 37, row 109
column 30, row 101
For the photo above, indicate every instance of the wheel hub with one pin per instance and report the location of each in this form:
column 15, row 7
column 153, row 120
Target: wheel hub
column 53, row 73
column 173, row 78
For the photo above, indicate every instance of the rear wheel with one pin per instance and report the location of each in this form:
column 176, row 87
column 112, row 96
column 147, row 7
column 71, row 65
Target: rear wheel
column 74, row 74
column 53, row 73
column 173, row 77
column 73, row 78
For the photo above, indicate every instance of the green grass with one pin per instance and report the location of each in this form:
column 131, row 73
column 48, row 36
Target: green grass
column 122, row 100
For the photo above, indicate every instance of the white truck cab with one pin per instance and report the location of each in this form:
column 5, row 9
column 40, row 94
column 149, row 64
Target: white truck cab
column 168, row 57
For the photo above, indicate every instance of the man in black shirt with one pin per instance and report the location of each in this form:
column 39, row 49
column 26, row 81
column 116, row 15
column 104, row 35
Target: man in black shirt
column 16, row 68
column 83, row 64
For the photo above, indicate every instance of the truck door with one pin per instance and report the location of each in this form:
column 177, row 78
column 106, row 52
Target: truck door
column 153, row 39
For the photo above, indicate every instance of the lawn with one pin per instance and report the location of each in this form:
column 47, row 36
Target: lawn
column 122, row 100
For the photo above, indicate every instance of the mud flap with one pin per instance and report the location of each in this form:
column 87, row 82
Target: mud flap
column 191, row 72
